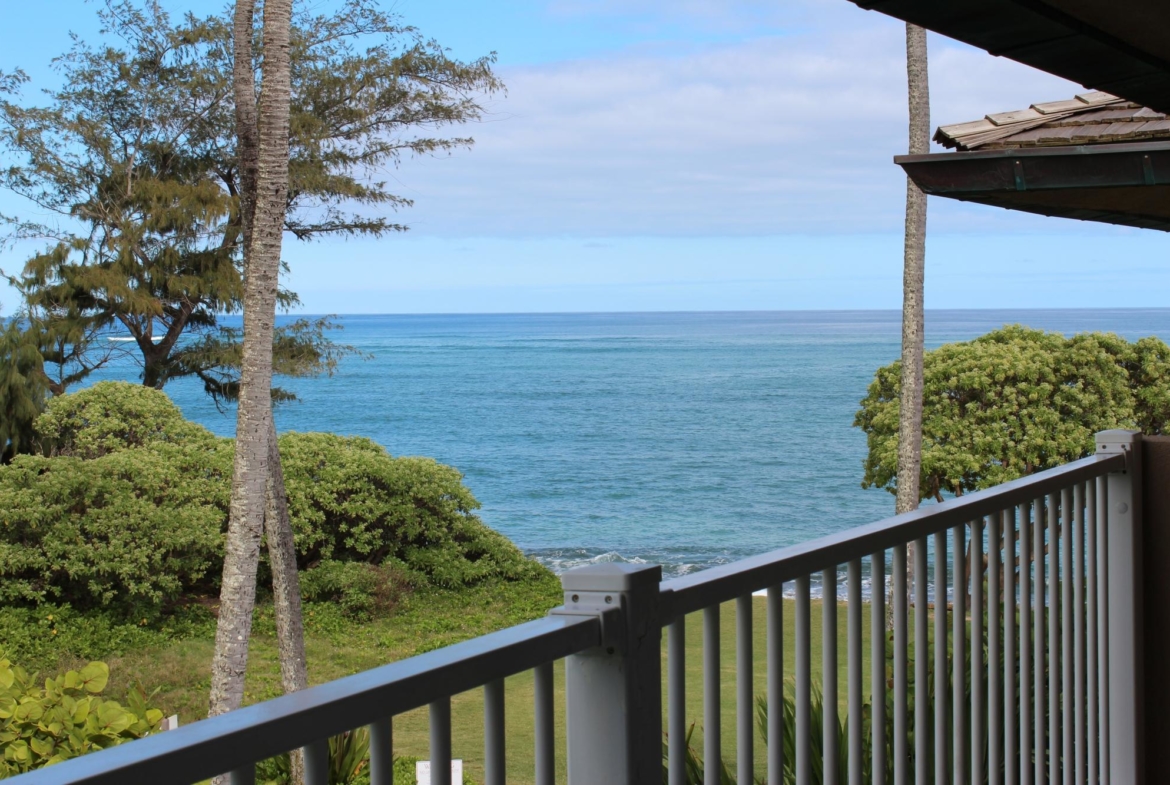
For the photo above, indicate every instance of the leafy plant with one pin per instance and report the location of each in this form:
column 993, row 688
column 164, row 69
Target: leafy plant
column 64, row 719
column 360, row 589
column 127, row 509
column 1014, row 402
column 349, row 759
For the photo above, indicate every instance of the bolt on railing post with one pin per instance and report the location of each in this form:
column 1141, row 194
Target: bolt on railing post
column 613, row 693
column 1124, row 533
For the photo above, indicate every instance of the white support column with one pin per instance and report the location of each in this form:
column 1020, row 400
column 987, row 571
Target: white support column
column 613, row 693
column 1124, row 533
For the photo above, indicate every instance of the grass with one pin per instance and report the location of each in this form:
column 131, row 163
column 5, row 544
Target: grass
column 431, row 618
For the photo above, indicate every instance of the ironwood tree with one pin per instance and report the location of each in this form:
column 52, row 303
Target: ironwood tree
column 135, row 160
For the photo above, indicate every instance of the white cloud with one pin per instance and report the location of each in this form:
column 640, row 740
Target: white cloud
column 768, row 135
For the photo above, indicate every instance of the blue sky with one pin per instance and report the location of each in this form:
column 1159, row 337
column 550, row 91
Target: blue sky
column 685, row 155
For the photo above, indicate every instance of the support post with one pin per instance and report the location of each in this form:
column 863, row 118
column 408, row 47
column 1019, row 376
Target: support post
column 1126, row 640
column 613, row 693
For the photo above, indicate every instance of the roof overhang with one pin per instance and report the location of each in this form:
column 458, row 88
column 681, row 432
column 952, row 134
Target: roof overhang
column 1121, row 47
column 1127, row 184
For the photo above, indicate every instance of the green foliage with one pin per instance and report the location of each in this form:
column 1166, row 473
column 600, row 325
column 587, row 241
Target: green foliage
column 349, row 763
column 22, row 390
column 351, row 501
column 693, row 763
column 41, row 635
column 129, row 508
column 132, row 529
column 133, row 161
column 1014, row 402
column 360, row 589
column 64, row 719
column 111, row 417
column 349, row 759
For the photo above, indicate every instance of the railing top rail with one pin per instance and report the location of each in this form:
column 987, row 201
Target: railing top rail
column 215, row 746
column 691, row 593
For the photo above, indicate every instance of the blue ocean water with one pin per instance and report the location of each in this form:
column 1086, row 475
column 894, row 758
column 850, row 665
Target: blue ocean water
column 686, row 439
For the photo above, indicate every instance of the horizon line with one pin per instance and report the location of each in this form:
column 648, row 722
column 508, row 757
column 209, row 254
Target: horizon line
column 717, row 311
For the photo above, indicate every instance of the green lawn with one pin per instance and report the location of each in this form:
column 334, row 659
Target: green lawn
column 430, row 619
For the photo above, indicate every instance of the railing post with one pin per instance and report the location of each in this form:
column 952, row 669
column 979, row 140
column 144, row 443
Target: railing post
column 613, row 693
column 1124, row 542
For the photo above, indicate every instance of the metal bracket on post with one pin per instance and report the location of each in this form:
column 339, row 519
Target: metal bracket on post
column 613, row 692
column 1124, row 586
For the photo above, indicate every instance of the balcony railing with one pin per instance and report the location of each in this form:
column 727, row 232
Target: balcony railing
column 1032, row 590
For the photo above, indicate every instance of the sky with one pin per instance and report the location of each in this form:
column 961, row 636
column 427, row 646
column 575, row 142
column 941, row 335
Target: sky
column 682, row 155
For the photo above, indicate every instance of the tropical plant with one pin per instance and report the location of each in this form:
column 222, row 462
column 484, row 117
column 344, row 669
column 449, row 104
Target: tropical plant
column 64, row 718
column 1014, row 402
column 128, row 509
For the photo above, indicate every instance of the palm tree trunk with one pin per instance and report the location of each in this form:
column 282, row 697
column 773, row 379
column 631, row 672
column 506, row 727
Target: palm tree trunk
column 286, row 588
column 254, row 419
column 913, row 274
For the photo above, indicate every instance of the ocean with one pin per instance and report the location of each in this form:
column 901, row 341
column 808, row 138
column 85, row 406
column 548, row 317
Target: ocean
column 684, row 439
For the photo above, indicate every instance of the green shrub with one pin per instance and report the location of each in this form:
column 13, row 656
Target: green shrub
column 111, row 417
column 64, row 719
column 349, row 500
column 131, row 529
column 359, row 589
column 128, row 508
column 1013, row 402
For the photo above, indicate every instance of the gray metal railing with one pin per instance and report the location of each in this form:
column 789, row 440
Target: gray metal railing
column 1030, row 674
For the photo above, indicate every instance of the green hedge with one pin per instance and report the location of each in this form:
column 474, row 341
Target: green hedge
column 127, row 505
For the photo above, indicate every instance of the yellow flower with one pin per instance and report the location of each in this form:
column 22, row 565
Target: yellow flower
column 49, row 617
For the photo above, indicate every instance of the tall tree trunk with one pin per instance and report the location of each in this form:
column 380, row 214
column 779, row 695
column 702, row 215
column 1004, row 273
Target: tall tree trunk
column 254, row 419
column 913, row 274
column 290, row 633
column 286, row 587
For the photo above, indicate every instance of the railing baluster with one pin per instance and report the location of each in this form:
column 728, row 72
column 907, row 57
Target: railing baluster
column 440, row 712
column 382, row 751
column 1079, row 630
column 1103, row 624
column 775, row 685
column 877, row 664
column 1039, row 658
column 1054, row 736
column 978, row 707
column 1011, row 757
column 994, row 661
column 829, row 726
column 1091, row 626
column 1026, row 559
column 545, row 733
column 676, row 689
column 959, row 654
column 803, row 686
column 921, row 664
column 712, row 701
column 940, row 657
column 745, row 703
column 317, row 763
column 853, row 641
column 245, row 775
column 901, row 686
column 493, row 733
column 1066, row 635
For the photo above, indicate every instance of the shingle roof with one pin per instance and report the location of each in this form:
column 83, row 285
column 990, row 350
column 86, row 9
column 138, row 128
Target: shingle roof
column 1090, row 118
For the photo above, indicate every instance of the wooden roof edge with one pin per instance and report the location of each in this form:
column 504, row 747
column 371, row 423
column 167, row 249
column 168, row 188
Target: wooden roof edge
column 1117, row 148
column 993, row 127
